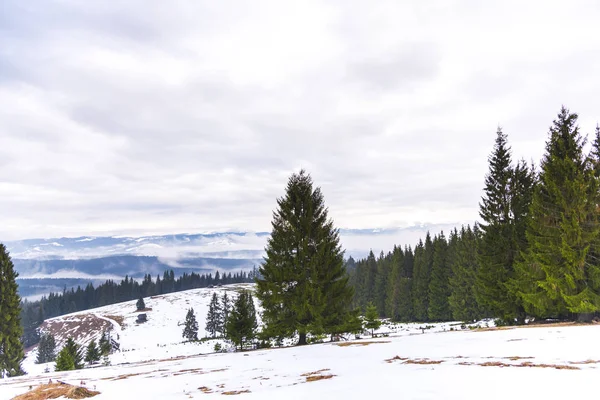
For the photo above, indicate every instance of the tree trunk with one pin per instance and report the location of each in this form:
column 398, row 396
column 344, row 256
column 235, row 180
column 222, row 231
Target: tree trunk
column 302, row 339
column 585, row 317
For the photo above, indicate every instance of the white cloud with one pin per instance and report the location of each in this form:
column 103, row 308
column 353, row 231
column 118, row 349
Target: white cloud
column 143, row 118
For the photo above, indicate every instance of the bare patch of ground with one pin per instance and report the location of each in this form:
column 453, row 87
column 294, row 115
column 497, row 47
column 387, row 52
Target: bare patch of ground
column 346, row 344
column 585, row 362
column 76, row 326
column 396, row 358
column 55, row 391
column 119, row 319
column 525, row 364
column 235, row 392
column 422, row 361
column 314, row 378
column 315, row 372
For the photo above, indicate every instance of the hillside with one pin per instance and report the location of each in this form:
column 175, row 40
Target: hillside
column 442, row 361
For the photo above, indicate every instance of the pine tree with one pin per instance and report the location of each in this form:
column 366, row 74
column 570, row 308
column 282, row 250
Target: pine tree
column 422, row 276
column 439, row 290
column 74, row 351
column 462, row 300
column 504, row 210
column 242, row 324
column 104, row 344
column 214, row 318
column 557, row 276
column 46, row 351
column 93, row 353
column 11, row 348
column 303, row 286
column 371, row 318
column 64, row 361
column 140, row 305
column 190, row 330
column 225, row 310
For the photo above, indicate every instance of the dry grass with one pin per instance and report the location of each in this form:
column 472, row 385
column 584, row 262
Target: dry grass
column 526, row 364
column 234, row 392
column 346, row 344
column 532, row 325
column 205, row 389
column 119, row 319
column 396, row 358
column 56, row 390
column 517, row 358
column 142, row 310
column 315, row 372
column 314, row 378
column 585, row 362
column 422, row 361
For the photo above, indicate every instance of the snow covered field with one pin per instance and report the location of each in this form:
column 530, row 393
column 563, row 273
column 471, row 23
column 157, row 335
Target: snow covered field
column 437, row 363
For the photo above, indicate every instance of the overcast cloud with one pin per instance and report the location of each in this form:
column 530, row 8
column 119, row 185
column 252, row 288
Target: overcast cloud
column 144, row 117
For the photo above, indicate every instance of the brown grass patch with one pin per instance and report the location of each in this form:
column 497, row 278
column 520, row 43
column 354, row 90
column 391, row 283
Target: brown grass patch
column 205, row 389
column 526, row 364
column 314, row 378
column 396, row 358
column 125, row 376
column 119, row 319
column 142, row 310
column 585, row 362
column 315, row 372
column 422, row 361
column 234, row 392
column 346, row 344
column 517, row 358
column 533, row 325
column 56, row 390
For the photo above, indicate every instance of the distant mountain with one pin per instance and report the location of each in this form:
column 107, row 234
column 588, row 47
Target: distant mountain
column 91, row 259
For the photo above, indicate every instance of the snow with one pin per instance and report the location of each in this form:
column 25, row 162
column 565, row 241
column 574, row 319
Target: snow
column 154, row 363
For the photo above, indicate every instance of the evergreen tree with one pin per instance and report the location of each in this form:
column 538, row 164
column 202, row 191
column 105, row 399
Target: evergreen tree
column 504, row 211
column 558, row 276
column 64, row 361
column 214, row 318
column 462, row 300
column 11, row 348
column 46, row 351
column 422, row 276
column 140, row 305
column 241, row 324
column 74, row 351
column 190, row 330
column 104, row 344
column 439, row 290
column 303, row 286
column 371, row 318
column 225, row 310
column 92, row 353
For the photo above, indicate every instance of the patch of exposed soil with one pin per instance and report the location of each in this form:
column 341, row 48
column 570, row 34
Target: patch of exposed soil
column 55, row 391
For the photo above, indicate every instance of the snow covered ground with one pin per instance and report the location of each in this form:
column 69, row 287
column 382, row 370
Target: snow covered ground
column 442, row 362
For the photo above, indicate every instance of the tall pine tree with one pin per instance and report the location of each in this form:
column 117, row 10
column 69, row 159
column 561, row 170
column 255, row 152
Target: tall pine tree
column 11, row 348
column 558, row 276
column 214, row 318
column 241, row 325
column 303, row 285
column 439, row 291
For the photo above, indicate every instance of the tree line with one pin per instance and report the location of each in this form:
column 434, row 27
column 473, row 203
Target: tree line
column 535, row 252
column 34, row 313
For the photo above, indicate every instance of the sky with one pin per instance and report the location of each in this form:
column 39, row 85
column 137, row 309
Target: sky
column 147, row 117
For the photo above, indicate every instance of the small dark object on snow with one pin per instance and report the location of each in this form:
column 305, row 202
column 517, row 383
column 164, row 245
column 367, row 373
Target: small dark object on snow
column 141, row 318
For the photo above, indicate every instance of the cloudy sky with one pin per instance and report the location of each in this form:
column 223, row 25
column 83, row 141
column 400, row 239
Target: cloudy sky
column 142, row 117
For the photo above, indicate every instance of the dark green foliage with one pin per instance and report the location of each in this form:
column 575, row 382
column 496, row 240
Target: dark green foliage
column 462, row 300
column 104, row 344
column 75, row 353
column 140, row 305
column 112, row 292
column 226, row 309
column 303, row 286
column 64, row 361
column 214, row 318
column 560, row 274
column 46, row 351
column 92, row 353
column 11, row 348
column 421, row 278
column 190, row 329
column 504, row 209
column 439, row 289
column 372, row 321
column 241, row 325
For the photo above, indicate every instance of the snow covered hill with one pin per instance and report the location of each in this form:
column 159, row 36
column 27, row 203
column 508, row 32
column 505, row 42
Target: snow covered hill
column 414, row 361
